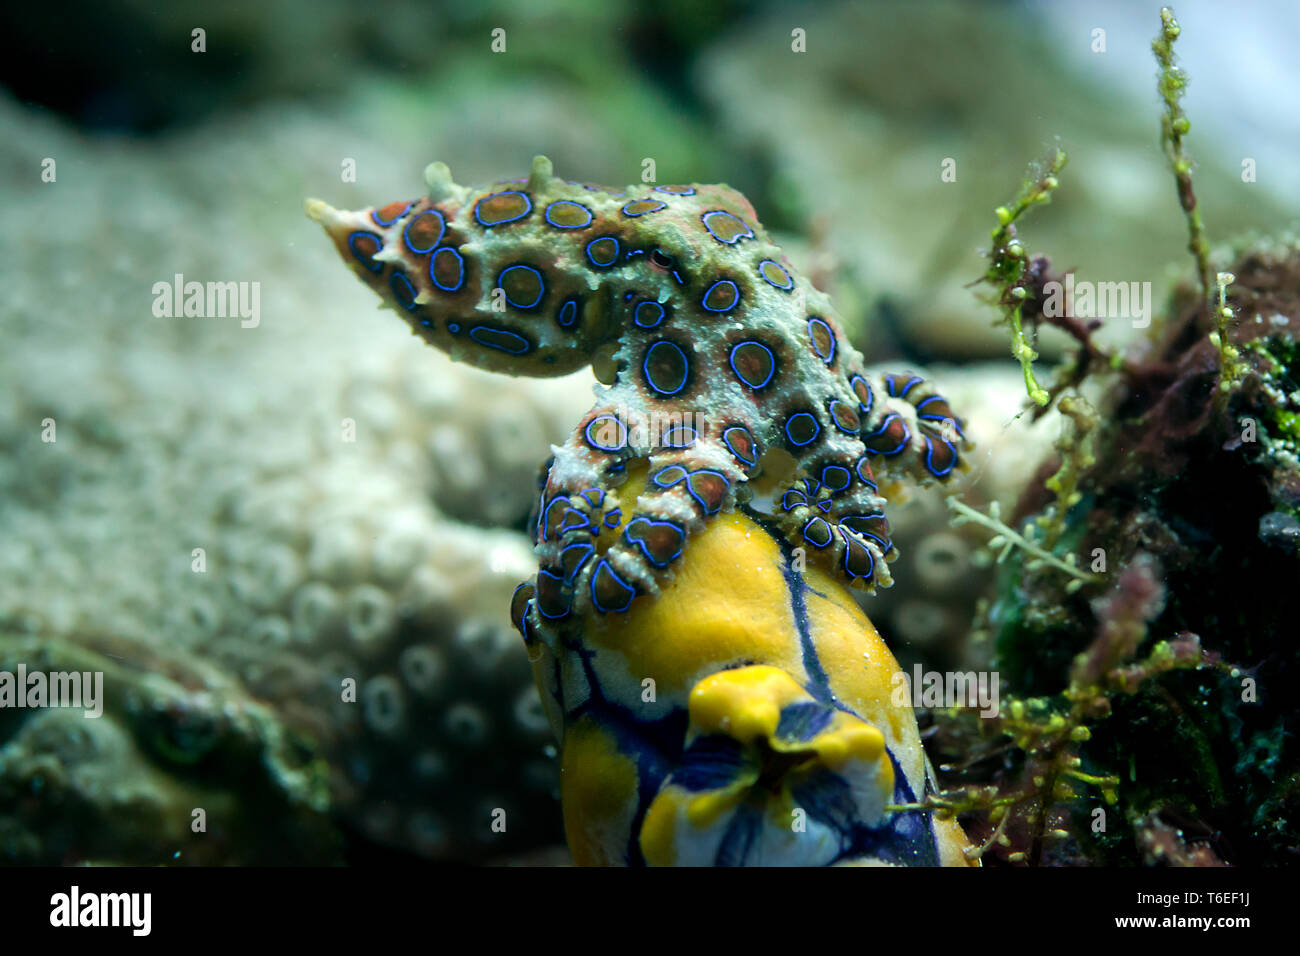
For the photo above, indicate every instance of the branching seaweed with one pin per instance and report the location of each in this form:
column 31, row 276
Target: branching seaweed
column 1006, row 538
column 1232, row 367
column 1009, row 270
column 1174, row 125
column 1076, row 448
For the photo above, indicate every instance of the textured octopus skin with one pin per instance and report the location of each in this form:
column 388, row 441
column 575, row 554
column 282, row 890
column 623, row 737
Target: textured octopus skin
column 712, row 352
column 750, row 715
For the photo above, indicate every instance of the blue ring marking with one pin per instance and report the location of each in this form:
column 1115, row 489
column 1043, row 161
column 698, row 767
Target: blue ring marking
column 864, row 463
column 817, row 429
column 544, row 525
column 880, row 542
column 525, row 624
column 590, row 549
column 655, row 318
column 606, row 567
column 931, row 417
column 825, row 357
column 789, row 504
column 823, row 531
column 551, row 575
column 632, row 215
column 622, row 433
column 593, row 496
column 453, row 327
column 811, row 485
column 907, row 436
column 835, row 407
column 789, row 282
column 891, row 384
column 640, row 544
column 929, row 457
column 747, row 234
column 884, row 543
column 580, row 521
column 566, row 202
column 406, row 297
column 528, row 204
column 735, row 296
column 941, row 420
column 663, row 389
column 513, row 594
column 662, row 479
column 442, row 229
column 675, row 190
column 502, row 340
column 604, row 262
column 367, row 259
column 866, row 386
column 541, row 286
column 374, row 216
column 731, row 360
column 836, row 478
column 427, row 323
column 871, row 570
column 927, row 400
column 569, row 308
column 460, row 266
column 726, row 440
column 613, row 518
column 690, row 489
column 688, row 438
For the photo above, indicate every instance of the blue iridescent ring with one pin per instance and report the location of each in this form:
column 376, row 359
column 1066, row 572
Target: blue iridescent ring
column 603, row 252
column 402, row 290
column 502, row 340
column 415, row 222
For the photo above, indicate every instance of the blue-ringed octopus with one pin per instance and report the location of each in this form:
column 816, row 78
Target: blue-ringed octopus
column 719, row 366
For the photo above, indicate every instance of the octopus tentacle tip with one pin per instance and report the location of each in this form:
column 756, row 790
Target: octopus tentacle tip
column 319, row 210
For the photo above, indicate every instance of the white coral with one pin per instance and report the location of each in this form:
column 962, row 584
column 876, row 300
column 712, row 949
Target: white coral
column 322, row 558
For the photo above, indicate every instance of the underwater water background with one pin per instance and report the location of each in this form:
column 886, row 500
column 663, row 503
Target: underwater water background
column 206, row 531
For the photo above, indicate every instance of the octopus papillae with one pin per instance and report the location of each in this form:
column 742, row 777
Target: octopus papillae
column 720, row 368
